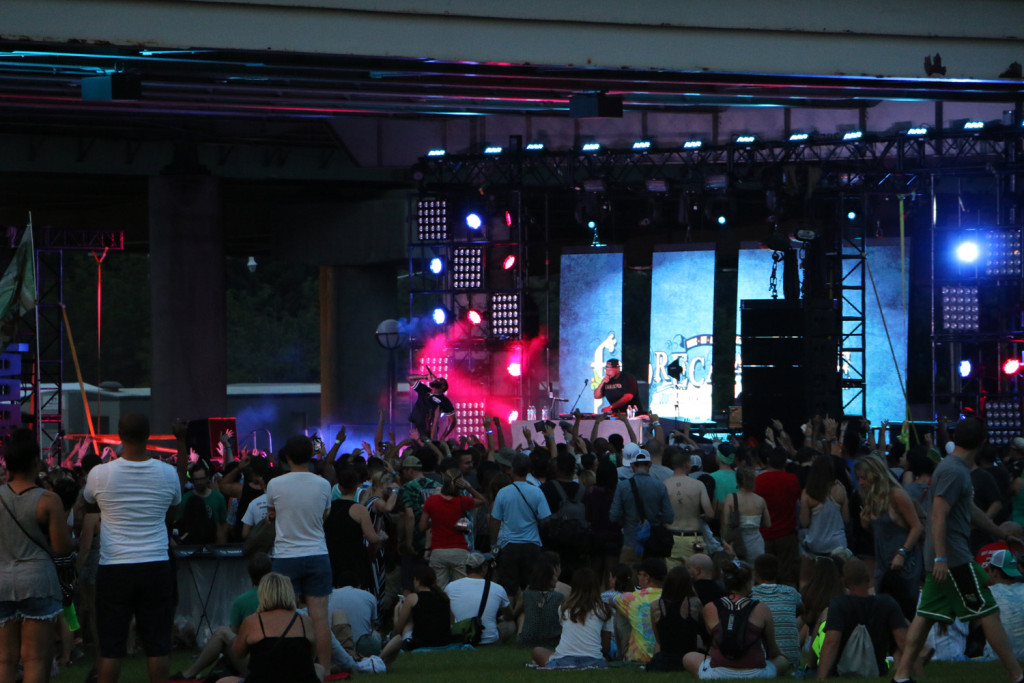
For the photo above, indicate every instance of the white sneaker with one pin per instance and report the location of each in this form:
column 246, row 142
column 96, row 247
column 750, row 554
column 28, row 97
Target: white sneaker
column 371, row 665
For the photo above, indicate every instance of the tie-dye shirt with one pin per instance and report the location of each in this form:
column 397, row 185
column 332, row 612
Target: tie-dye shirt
column 636, row 607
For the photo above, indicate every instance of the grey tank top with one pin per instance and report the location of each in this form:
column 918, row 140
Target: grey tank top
column 26, row 570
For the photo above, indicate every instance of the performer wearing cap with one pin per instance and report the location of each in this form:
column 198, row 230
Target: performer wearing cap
column 620, row 388
column 433, row 414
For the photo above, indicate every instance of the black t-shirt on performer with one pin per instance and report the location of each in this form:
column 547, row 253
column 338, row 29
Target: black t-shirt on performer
column 615, row 389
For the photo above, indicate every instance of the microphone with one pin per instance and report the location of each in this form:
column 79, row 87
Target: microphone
column 560, row 400
column 586, row 381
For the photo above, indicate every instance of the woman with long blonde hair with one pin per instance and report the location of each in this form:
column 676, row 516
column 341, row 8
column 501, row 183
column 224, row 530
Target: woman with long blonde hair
column 897, row 528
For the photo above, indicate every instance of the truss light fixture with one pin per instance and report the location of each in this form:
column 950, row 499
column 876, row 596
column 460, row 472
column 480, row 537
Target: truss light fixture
column 974, row 125
column 436, row 153
column 853, row 135
column 468, row 268
column 920, row 130
column 967, row 252
column 1002, row 253
column 745, row 139
column 692, row 144
column 591, row 146
column 642, row 144
column 1003, row 418
column 432, row 219
column 493, row 149
column 656, row 185
column 799, row 137
column 474, row 221
column 960, row 308
column 535, row 146
column 436, row 265
column 964, row 368
column 505, row 315
column 439, row 316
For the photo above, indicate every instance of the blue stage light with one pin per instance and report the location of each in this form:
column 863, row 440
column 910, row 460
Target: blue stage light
column 721, row 220
column 965, row 368
column 436, row 265
column 435, row 153
column 851, row 215
column 799, row 137
column 967, row 252
column 642, row 144
column 853, row 135
column 440, row 316
column 591, row 146
column 473, row 221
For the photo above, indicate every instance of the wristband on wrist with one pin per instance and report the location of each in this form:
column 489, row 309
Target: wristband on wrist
column 903, row 552
column 337, row 442
column 940, row 559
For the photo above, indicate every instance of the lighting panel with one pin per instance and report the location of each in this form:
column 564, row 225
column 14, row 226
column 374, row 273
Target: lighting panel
column 505, row 315
column 432, row 220
column 468, row 268
column 960, row 308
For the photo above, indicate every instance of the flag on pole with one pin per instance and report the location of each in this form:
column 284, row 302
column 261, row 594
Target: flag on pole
column 17, row 288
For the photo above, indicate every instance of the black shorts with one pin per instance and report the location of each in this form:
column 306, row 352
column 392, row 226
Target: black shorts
column 146, row 591
column 516, row 562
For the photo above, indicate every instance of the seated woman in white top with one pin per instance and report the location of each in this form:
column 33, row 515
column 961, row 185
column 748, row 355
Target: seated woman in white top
column 586, row 627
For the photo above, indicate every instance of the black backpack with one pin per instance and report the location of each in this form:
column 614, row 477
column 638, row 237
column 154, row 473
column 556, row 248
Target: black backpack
column 568, row 528
column 732, row 626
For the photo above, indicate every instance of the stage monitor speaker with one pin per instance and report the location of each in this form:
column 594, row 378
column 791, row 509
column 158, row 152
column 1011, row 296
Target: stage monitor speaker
column 204, row 435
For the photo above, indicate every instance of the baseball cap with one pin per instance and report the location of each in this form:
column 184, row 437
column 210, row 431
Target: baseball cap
column 1005, row 560
column 696, row 462
column 642, row 457
column 474, row 560
column 411, row 461
column 613, row 362
column 629, row 453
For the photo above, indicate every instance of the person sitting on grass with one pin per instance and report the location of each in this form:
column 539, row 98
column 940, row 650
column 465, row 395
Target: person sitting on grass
column 586, row 628
column 221, row 641
column 676, row 620
column 423, row 618
column 277, row 640
column 539, row 623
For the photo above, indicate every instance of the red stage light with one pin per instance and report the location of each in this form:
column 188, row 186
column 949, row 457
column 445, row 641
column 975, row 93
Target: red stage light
column 515, row 369
column 508, row 218
column 513, row 416
column 1011, row 366
column 509, row 262
column 474, row 316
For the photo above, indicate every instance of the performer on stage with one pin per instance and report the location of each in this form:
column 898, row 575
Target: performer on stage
column 619, row 388
column 433, row 414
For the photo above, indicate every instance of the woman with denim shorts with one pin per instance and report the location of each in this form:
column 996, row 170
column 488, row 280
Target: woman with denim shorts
column 31, row 519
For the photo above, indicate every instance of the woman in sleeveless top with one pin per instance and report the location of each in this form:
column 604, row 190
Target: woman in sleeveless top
column 759, row 655
column 30, row 595
column 676, row 618
column 381, row 503
column 753, row 513
column 423, row 619
column 345, row 528
column 277, row 639
column 898, row 530
column 824, row 513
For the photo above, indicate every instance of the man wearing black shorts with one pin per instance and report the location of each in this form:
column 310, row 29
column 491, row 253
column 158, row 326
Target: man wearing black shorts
column 136, row 495
column 955, row 586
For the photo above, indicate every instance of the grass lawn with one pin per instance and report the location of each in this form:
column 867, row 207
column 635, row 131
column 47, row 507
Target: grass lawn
column 506, row 664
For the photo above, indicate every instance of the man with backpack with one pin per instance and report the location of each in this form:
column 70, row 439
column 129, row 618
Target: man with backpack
column 567, row 532
column 861, row 628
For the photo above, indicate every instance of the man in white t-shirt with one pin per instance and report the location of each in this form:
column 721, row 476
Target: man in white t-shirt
column 465, row 596
column 254, row 514
column 299, row 502
column 137, row 497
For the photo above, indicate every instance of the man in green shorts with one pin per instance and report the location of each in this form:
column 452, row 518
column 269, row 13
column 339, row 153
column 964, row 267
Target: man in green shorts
column 956, row 585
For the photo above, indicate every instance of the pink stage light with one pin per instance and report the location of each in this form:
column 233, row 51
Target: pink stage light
column 515, row 369
column 513, row 416
column 508, row 218
column 1011, row 366
column 474, row 316
column 509, row 263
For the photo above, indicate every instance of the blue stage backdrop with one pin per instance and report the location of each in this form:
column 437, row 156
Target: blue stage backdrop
column 682, row 314
column 885, row 398
column 589, row 321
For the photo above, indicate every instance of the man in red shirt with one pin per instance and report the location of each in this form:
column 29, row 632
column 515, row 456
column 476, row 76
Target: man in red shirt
column 781, row 492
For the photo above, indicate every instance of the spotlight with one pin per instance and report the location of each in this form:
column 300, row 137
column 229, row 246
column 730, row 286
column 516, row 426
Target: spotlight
column 515, row 369
column 513, row 415
column 1011, row 366
column 692, row 144
column 474, row 316
column 921, row 130
column 473, row 221
column 965, row 368
column 721, row 220
column 852, row 135
column 435, row 153
column 535, row 146
column 591, row 147
column 967, row 252
column 851, row 215
column 508, row 219
column 591, row 224
column 642, row 144
column 492, row 150
column 509, row 263
column 799, row 137
column 436, row 265
column 974, row 125
column 745, row 139
column 440, row 316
